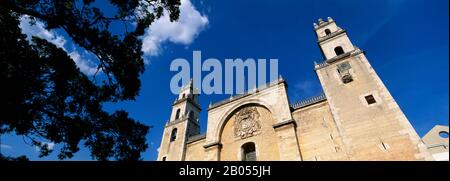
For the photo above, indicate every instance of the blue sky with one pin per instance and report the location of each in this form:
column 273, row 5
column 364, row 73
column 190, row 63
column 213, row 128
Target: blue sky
column 405, row 41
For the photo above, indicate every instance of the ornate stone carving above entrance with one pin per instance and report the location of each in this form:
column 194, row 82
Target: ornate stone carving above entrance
column 247, row 122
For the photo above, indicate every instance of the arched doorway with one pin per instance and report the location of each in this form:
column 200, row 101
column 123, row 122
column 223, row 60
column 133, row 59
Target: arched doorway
column 248, row 152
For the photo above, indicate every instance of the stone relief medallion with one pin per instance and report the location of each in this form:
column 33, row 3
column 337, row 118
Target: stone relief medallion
column 247, row 122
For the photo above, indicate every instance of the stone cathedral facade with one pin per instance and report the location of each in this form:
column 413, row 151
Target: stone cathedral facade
column 355, row 119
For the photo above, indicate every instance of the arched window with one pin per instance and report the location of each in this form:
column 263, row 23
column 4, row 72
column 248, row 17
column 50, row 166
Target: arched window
column 177, row 115
column 184, row 95
column 248, row 152
column 443, row 134
column 327, row 31
column 173, row 135
column 191, row 115
column 338, row 50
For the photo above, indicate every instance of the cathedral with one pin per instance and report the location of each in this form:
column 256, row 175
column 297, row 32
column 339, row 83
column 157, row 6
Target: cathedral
column 356, row 118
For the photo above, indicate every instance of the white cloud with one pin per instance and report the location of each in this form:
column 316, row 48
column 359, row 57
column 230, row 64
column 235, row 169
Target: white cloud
column 183, row 31
column 85, row 66
column 38, row 29
column 50, row 146
column 6, row 147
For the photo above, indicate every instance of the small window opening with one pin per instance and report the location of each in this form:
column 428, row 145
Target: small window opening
column 177, row 115
column 248, row 152
column 173, row 136
column 339, row 51
column 370, row 99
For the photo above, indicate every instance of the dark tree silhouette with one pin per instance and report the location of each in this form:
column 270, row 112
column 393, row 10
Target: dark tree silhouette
column 46, row 97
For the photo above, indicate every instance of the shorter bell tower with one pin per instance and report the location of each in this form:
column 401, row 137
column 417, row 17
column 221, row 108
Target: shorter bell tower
column 183, row 123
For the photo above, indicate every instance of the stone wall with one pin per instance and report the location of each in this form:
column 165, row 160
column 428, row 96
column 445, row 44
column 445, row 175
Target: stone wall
column 195, row 151
column 378, row 131
column 317, row 133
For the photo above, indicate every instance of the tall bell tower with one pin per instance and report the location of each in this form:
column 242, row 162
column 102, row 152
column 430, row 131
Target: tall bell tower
column 370, row 122
column 183, row 123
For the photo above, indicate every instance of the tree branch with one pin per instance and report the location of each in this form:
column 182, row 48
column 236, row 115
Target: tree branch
column 22, row 10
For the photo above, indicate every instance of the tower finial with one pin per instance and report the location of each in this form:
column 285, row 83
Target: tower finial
column 320, row 21
column 330, row 19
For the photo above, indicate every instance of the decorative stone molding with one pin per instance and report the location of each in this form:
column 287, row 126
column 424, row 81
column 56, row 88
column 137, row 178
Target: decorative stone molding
column 196, row 105
column 322, row 23
column 182, row 118
column 232, row 98
column 334, row 34
column 247, row 122
column 195, row 138
column 212, row 145
column 309, row 101
column 284, row 123
column 330, row 61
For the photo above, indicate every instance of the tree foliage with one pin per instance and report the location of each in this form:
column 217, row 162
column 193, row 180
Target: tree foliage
column 46, row 97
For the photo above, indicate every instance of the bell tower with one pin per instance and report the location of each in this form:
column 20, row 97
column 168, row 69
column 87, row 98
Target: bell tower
column 369, row 120
column 183, row 123
column 332, row 39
